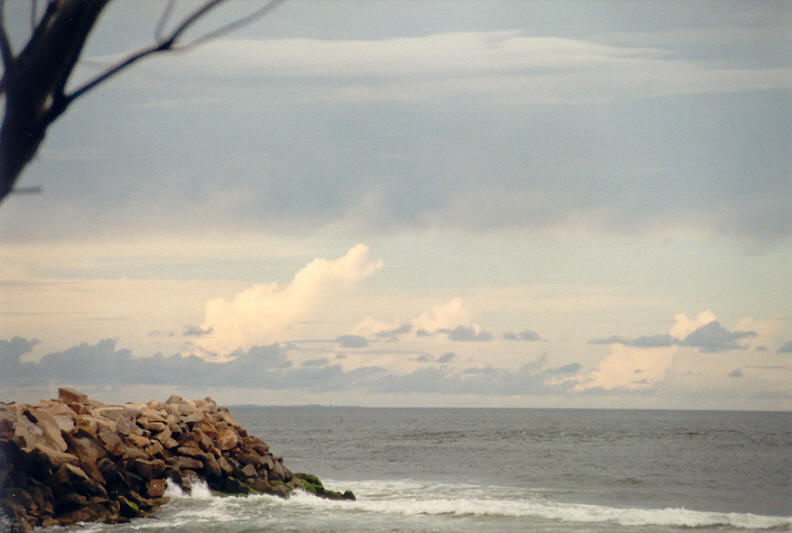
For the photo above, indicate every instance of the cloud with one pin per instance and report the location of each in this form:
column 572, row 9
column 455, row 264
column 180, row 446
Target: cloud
column 446, row 316
column 12, row 368
column 158, row 333
column 629, row 369
column 266, row 367
column 526, row 335
column 736, row 373
column 572, row 368
column 446, row 357
column 684, row 326
column 465, row 334
column 195, row 331
column 497, row 64
column 352, row 341
column 715, row 338
column 258, row 314
column 786, row 348
column 704, row 333
column 452, row 319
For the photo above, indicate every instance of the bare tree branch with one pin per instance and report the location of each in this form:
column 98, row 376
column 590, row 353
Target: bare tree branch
column 239, row 23
column 33, row 13
column 34, row 81
column 170, row 42
column 166, row 13
column 155, row 48
column 5, row 45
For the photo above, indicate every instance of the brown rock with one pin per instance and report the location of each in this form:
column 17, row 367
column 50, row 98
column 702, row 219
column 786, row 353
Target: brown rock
column 155, row 488
column 73, row 476
column 138, row 440
column 211, row 466
column 183, row 463
column 156, row 426
column 153, row 415
column 150, row 469
column 67, row 395
column 155, row 448
column 54, row 458
column 163, row 436
column 191, row 451
column 130, row 452
column 227, row 439
column 224, row 465
column 249, row 471
column 112, row 442
column 257, row 444
column 89, row 452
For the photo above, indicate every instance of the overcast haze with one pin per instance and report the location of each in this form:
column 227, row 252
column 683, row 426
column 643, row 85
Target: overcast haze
column 550, row 204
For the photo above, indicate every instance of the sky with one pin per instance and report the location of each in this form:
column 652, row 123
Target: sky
column 416, row 203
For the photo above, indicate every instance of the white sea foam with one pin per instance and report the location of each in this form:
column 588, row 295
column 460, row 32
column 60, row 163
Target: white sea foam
column 412, row 498
column 416, row 498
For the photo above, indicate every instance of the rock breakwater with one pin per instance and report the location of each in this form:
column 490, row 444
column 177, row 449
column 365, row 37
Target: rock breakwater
column 75, row 459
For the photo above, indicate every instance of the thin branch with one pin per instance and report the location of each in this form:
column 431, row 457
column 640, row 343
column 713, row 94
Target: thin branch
column 5, row 44
column 168, row 44
column 239, row 23
column 33, row 11
column 194, row 16
column 115, row 69
column 166, row 13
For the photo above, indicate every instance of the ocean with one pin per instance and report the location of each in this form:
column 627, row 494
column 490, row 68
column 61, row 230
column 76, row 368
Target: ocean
column 493, row 470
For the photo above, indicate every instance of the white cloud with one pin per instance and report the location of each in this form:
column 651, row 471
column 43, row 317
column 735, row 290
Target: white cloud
column 684, row 326
column 258, row 314
column 445, row 316
column 506, row 65
column 629, row 368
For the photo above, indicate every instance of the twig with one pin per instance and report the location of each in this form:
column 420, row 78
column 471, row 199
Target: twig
column 5, row 45
column 231, row 26
column 33, row 11
column 169, row 43
column 166, row 13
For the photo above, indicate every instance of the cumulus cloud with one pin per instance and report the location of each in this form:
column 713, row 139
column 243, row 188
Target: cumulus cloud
column 715, row 338
column 452, row 319
column 258, row 314
column 704, row 333
column 629, row 368
column 684, row 326
column 446, row 316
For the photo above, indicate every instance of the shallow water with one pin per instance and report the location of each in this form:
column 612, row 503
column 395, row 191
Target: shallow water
column 508, row 470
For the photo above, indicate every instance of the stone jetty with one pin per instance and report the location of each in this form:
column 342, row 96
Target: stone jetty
column 76, row 459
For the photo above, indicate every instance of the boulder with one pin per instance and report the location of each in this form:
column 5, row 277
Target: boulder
column 67, row 395
column 227, row 439
column 75, row 459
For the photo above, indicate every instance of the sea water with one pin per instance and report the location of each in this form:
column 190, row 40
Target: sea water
column 492, row 470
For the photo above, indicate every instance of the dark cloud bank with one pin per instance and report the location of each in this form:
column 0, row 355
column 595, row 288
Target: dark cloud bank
column 263, row 367
column 709, row 338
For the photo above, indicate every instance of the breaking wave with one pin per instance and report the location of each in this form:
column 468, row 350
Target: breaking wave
column 457, row 500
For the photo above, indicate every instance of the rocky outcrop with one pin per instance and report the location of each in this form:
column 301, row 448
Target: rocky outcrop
column 76, row 459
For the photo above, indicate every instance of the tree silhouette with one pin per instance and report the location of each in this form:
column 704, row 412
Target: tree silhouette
column 35, row 79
